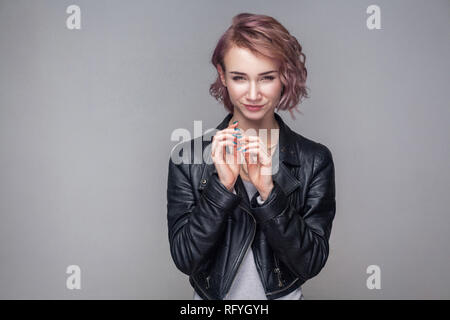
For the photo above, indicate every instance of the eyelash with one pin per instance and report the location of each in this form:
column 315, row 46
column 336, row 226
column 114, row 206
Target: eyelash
column 267, row 77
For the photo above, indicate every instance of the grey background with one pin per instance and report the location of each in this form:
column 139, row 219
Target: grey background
column 86, row 118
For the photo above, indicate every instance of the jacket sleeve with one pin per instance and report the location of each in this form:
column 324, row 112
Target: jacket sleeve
column 300, row 239
column 195, row 225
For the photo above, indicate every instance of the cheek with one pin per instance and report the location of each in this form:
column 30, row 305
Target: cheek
column 273, row 90
column 236, row 90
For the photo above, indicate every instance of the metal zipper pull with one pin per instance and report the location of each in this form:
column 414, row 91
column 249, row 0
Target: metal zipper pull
column 278, row 272
column 207, row 282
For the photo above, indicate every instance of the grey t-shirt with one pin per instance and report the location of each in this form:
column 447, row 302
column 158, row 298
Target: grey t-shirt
column 247, row 283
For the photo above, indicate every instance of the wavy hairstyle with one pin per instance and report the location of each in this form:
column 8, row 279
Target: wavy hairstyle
column 264, row 35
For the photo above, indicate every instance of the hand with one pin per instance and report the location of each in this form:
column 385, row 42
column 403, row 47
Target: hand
column 259, row 164
column 226, row 164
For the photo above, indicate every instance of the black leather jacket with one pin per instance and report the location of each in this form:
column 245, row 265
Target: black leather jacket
column 210, row 228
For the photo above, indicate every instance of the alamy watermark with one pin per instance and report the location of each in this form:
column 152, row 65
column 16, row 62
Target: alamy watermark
column 187, row 144
column 374, row 280
column 74, row 280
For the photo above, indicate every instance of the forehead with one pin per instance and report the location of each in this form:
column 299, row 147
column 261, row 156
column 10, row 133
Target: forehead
column 243, row 60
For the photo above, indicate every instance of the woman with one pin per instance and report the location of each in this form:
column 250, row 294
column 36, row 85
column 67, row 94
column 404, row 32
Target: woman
column 254, row 222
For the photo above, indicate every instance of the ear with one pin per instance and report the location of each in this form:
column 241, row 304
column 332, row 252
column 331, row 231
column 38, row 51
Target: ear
column 221, row 74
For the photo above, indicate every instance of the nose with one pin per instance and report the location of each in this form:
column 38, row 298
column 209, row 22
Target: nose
column 253, row 92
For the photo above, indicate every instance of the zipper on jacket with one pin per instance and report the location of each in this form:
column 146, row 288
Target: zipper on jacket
column 284, row 289
column 207, row 296
column 207, row 281
column 276, row 263
column 280, row 280
column 278, row 271
column 239, row 261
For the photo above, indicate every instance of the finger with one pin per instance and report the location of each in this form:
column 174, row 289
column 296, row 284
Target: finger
column 250, row 145
column 221, row 152
column 223, row 137
column 232, row 156
column 234, row 125
column 226, row 134
column 249, row 148
column 218, row 154
column 258, row 149
column 235, row 131
column 252, row 142
column 247, row 139
column 250, row 154
column 254, row 154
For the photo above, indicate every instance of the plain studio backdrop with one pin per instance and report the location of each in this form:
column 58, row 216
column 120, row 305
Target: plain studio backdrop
column 86, row 117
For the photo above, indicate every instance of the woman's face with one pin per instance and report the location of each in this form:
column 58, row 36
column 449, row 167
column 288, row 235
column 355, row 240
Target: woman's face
column 251, row 81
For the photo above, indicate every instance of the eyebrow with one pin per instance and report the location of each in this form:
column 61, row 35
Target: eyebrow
column 261, row 74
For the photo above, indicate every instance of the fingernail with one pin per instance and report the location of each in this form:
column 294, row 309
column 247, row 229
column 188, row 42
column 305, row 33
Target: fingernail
column 236, row 129
column 234, row 142
column 235, row 122
column 238, row 148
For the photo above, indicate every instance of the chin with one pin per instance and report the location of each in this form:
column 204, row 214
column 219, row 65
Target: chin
column 254, row 115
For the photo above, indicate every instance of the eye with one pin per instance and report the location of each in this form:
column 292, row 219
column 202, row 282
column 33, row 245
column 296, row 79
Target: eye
column 237, row 78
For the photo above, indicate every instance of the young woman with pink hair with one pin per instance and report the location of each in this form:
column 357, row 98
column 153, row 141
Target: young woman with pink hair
column 255, row 221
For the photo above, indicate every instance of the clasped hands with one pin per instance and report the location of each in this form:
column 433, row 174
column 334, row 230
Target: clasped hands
column 231, row 148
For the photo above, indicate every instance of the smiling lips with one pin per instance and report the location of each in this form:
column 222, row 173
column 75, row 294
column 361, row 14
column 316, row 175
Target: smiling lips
column 253, row 107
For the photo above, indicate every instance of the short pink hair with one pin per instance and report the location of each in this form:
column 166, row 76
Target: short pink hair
column 265, row 36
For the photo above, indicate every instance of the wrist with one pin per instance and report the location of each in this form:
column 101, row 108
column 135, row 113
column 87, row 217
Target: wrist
column 265, row 193
column 230, row 187
column 263, row 196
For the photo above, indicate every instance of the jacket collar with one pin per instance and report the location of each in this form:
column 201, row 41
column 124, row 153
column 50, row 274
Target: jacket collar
column 288, row 154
